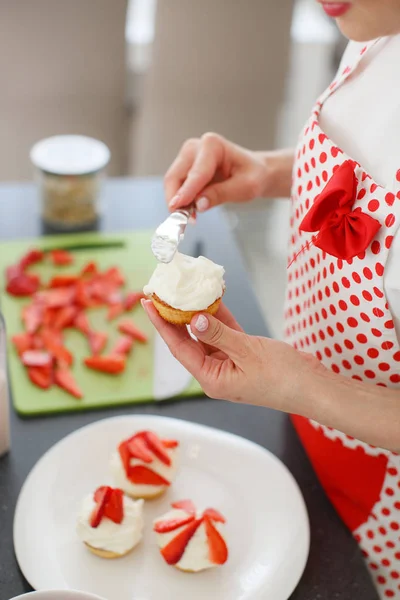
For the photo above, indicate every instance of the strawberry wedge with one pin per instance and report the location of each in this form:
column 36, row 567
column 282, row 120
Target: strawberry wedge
column 129, row 328
column 112, row 364
column 65, row 380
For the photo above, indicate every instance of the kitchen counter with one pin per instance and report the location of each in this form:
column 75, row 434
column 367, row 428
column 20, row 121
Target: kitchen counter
column 335, row 568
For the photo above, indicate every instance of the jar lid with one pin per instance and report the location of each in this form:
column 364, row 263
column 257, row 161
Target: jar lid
column 70, row 155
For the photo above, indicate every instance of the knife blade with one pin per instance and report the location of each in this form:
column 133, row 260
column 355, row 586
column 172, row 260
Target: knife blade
column 170, row 233
column 170, row 377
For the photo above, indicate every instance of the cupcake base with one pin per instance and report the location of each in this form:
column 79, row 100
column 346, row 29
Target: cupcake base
column 148, row 496
column 181, row 317
column 106, row 553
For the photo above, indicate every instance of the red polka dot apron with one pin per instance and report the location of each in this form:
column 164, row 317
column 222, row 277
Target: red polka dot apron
column 342, row 226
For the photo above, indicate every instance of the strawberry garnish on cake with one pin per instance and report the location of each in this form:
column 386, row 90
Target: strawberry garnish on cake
column 143, row 451
column 109, row 504
column 186, row 521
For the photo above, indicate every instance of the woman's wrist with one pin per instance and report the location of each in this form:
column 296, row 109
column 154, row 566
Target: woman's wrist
column 278, row 173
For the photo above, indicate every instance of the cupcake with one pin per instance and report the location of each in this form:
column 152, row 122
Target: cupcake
column 109, row 523
column 184, row 287
column 190, row 540
column 144, row 465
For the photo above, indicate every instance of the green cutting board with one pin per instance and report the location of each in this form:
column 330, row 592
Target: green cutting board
column 131, row 253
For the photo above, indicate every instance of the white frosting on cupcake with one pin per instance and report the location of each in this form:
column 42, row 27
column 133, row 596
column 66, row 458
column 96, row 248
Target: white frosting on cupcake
column 187, row 283
column 110, row 536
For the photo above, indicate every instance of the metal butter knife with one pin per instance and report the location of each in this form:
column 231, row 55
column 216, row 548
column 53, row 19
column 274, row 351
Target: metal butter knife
column 170, row 233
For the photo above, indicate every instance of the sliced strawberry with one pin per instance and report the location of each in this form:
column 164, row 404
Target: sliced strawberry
column 123, row 345
column 138, row 449
column 81, row 322
column 115, row 310
column 12, row 272
column 36, row 358
column 52, row 344
column 97, row 341
column 57, row 297
column 65, row 317
column 49, row 316
column 214, row 515
column 64, row 379
column 40, row 377
column 37, row 342
column 61, row 257
column 112, row 363
column 173, row 551
column 97, row 496
column 125, row 455
column 132, row 299
column 98, row 511
column 129, row 328
column 114, row 509
column 156, row 446
column 23, row 285
column 171, row 444
column 82, row 297
column 32, row 317
column 186, row 505
column 63, row 281
column 143, row 475
column 114, row 274
column 90, row 269
column 31, row 257
column 172, row 524
column 22, row 342
column 218, row 551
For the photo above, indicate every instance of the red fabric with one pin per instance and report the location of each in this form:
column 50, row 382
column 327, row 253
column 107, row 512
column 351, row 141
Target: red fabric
column 342, row 231
column 351, row 478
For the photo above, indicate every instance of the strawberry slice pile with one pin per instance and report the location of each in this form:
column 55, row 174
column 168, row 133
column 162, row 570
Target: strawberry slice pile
column 188, row 525
column 63, row 303
column 109, row 504
column 145, row 446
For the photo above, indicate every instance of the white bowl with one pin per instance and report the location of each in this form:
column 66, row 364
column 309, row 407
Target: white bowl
column 58, row 595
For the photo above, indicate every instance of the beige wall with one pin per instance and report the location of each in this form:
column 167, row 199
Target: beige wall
column 62, row 65
column 217, row 65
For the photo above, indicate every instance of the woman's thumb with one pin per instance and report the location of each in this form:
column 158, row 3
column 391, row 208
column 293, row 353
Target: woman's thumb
column 215, row 333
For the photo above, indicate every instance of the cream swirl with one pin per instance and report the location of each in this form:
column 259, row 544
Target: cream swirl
column 110, row 536
column 187, row 283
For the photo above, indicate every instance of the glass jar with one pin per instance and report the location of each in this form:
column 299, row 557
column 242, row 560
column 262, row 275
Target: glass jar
column 69, row 171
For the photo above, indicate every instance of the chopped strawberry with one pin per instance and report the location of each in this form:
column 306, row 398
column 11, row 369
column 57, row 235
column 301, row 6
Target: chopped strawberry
column 82, row 297
column 114, row 274
column 64, row 379
column 112, row 363
column 97, row 341
column 56, row 297
column 31, row 257
column 138, row 449
column 63, row 281
column 98, row 511
column 186, row 505
column 97, row 496
column 61, row 257
column 32, row 316
column 22, row 342
column 49, row 316
column 214, row 515
column 81, row 322
column 65, row 317
column 40, row 377
column 156, row 446
column 123, row 345
column 129, row 328
column 172, row 524
column 218, row 551
column 143, row 475
column 132, row 299
column 90, row 269
column 174, row 550
column 23, row 285
column 115, row 310
column 53, row 345
column 125, row 456
column 171, row 444
column 115, row 506
column 36, row 358
column 12, row 272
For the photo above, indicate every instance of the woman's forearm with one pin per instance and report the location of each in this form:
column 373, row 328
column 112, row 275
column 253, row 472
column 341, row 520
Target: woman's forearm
column 367, row 412
column 279, row 167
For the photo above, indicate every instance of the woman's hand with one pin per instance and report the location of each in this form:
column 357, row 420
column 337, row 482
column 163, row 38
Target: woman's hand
column 232, row 365
column 211, row 170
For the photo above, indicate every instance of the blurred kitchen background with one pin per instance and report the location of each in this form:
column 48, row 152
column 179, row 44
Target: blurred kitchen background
column 143, row 76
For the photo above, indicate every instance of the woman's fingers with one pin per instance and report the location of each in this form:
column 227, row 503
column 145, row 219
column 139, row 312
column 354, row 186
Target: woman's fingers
column 180, row 168
column 183, row 347
column 225, row 316
column 214, row 332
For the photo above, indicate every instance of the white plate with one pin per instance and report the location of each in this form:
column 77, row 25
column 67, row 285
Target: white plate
column 267, row 525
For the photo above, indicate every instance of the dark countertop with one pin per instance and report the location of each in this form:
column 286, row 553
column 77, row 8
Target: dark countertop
column 335, row 567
